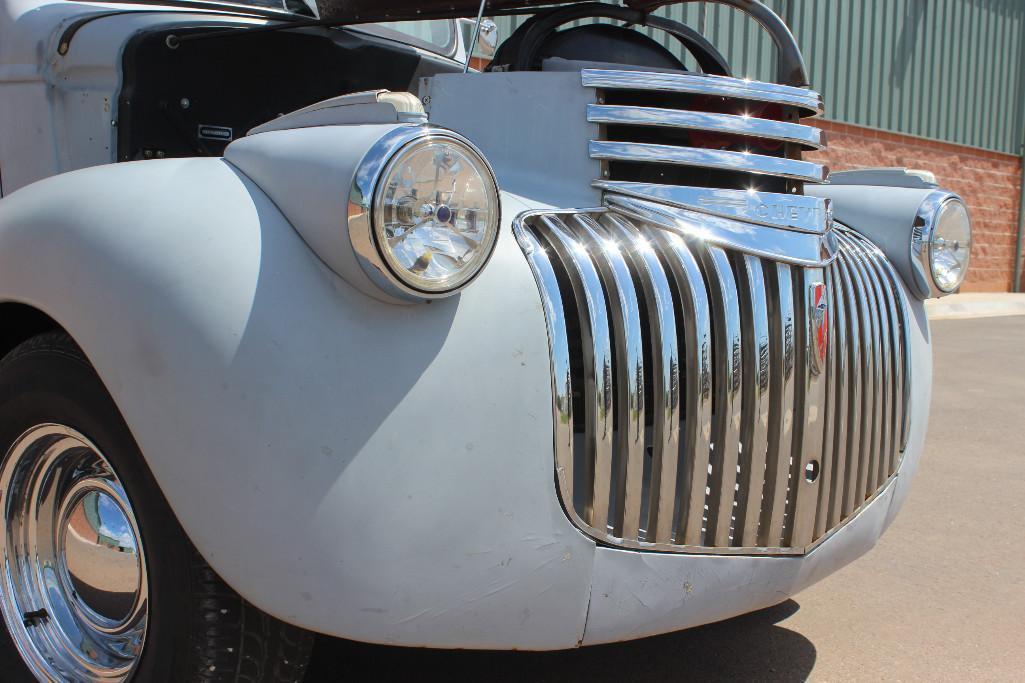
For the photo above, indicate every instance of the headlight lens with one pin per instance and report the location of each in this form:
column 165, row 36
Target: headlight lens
column 435, row 214
column 950, row 245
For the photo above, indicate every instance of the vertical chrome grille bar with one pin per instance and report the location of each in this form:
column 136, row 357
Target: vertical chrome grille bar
column 839, row 394
column 868, row 472
column 755, row 410
column 809, row 402
column 562, row 386
column 728, row 396
column 665, row 379
column 897, row 328
column 900, row 314
column 781, row 403
column 829, row 457
column 854, row 395
column 629, row 376
column 893, row 349
column 697, row 395
column 597, row 356
column 884, row 369
column 861, row 313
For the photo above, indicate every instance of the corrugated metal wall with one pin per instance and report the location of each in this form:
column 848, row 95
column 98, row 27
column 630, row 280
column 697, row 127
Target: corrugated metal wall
column 943, row 69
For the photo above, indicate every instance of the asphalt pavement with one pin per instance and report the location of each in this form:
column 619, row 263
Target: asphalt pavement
column 941, row 597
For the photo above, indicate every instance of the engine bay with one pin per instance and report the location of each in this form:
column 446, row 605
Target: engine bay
column 189, row 91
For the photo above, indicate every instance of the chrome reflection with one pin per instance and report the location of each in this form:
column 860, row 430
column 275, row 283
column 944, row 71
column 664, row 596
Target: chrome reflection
column 74, row 594
column 792, row 212
column 785, row 246
column 808, row 137
column 713, row 401
column 724, row 160
column 702, row 84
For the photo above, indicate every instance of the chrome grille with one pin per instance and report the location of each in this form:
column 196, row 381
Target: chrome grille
column 716, row 131
column 692, row 411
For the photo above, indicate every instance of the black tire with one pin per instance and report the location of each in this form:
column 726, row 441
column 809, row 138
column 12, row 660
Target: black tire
column 199, row 629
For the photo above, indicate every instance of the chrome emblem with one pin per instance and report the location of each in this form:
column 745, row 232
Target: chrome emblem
column 819, row 326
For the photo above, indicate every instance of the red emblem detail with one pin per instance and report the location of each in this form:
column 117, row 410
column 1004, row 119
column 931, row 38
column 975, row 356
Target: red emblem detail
column 819, row 326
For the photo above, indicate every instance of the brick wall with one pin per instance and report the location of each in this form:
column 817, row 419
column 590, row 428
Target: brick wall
column 989, row 182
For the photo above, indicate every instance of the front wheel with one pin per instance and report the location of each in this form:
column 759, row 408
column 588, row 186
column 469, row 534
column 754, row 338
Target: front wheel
column 99, row 581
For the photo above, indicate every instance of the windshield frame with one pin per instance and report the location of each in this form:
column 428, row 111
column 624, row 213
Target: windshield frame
column 375, row 29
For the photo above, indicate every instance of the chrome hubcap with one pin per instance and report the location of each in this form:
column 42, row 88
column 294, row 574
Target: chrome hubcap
column 74, row 591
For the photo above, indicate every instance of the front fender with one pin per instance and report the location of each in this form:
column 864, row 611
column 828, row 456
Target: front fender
column 366, row 470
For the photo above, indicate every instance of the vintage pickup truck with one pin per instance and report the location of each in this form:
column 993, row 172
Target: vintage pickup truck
column 307, row 328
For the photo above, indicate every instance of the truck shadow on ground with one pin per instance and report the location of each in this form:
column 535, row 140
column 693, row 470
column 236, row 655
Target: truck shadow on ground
column 749, row 647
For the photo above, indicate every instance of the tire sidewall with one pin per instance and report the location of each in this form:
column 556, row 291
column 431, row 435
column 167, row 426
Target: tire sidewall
column 44, row 383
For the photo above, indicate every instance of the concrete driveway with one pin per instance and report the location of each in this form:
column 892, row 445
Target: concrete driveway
column 941, row 597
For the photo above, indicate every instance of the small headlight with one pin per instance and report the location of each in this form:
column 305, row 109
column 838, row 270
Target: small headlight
column 435, row 216
column 941, row 243
column 950, row 246
column 423, row 213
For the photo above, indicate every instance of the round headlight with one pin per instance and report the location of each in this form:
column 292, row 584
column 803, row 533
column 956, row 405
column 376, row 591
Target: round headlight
column 950, row 246
column 435, row 214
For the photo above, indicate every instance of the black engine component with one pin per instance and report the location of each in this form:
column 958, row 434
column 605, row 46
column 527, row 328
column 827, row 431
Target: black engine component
column 539, row 37
column 616, row 44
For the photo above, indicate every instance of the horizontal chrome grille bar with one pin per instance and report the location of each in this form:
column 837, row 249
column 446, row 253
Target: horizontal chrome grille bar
column 701, row 84
column 806, row 136
column 724, row 160
column 720, row 402
column 773, row 209
column 781, row 245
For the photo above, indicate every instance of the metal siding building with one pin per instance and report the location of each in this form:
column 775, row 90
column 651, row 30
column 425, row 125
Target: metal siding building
column 950, row 70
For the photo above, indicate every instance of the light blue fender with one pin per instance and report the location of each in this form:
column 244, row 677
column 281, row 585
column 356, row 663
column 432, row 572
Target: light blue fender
column 368, row 470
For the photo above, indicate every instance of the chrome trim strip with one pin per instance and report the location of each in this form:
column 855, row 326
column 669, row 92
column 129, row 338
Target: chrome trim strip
column 628, row 466
column 828, row 453
column 791, row 212
column 755, row 415
column 782, row 326
column 664, row 358
column 838, row 395
column 859, row 461
column 702, row 84
column 728, row 395
column 697, row 408
column 869, row 445
column 724, row 160
column 779, row 245
column 809, row 399
column 597, row 351
column 562, row 388
column 808, row 137
column 900, row 340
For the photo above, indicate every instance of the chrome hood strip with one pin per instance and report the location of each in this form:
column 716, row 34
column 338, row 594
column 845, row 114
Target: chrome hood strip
column 786, row 246
column 773, row 209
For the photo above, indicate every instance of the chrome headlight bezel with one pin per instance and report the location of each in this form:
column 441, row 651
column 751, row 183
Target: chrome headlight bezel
column 923, row 235
column 362, row 199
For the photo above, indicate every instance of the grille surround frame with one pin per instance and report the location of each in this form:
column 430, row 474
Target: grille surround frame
column 629, row 516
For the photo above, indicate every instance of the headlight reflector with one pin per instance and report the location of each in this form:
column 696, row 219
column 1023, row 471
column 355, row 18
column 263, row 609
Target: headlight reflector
column 435, row 215
column 950, row 246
